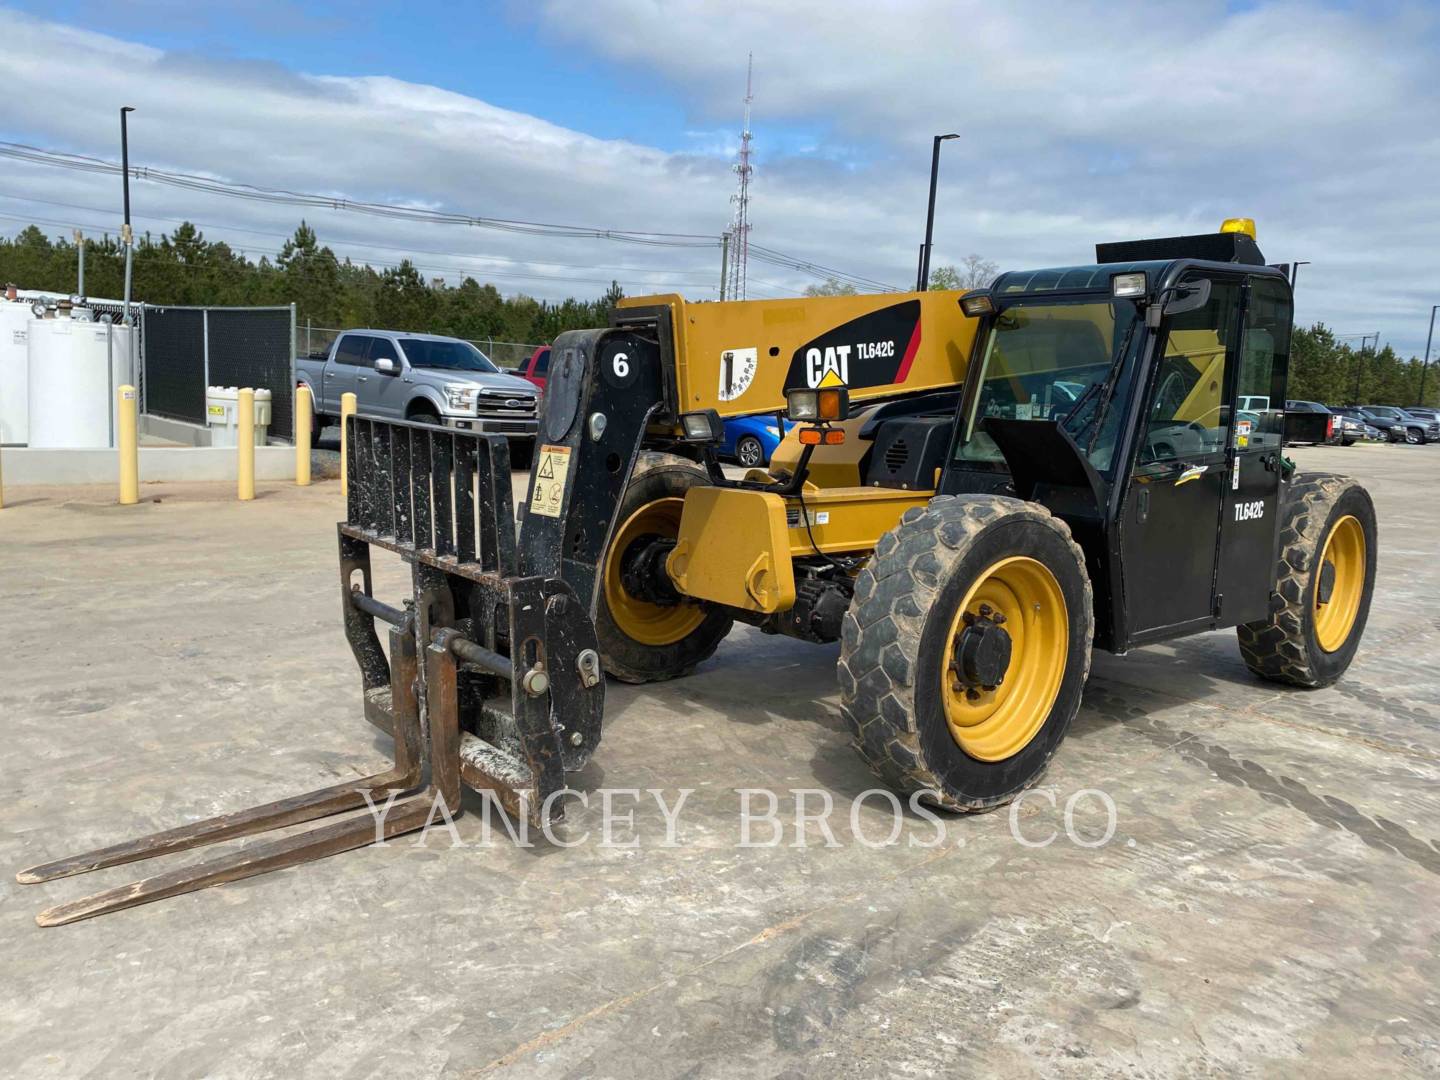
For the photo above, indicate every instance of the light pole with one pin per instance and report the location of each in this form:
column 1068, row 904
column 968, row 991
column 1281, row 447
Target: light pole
column 922, row 276
column 1295, row 271
column 126, row 234
column 1360, row 361
column 1420, row 398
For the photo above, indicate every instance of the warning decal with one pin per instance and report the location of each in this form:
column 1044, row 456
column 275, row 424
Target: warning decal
column 549, row 493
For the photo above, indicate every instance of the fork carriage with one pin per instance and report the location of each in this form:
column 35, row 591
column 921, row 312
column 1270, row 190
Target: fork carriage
column 492, row 679
column 519, row 666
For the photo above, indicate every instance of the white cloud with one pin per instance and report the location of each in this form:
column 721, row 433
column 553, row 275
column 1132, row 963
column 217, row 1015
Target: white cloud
column 1088, row 121
column 1081, row 122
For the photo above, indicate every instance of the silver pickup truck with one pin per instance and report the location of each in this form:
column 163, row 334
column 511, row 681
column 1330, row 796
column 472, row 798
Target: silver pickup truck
column 423, row 377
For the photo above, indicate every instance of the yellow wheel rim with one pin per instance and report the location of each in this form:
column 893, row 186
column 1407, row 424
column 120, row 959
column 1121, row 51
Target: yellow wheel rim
column 1345, row 551
column 640, row 620
column 992, row 725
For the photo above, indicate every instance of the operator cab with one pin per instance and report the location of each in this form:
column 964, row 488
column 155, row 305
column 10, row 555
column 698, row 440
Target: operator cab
column 1140, row 398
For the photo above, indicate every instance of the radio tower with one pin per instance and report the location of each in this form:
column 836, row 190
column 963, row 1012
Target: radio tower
column 740, row 225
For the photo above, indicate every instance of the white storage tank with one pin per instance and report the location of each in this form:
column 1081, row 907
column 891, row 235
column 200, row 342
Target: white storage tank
column 73, row 366
column 15, row 318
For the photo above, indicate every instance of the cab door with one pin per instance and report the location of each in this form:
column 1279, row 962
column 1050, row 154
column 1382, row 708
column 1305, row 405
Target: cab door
column 1169, row 520
column 340, row 372
column 1249, row 536
column 387, row 393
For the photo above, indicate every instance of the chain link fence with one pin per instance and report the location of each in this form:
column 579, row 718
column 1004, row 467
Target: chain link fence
column 315, row 342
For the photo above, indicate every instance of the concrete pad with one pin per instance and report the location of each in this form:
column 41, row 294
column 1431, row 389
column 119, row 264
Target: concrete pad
column 1268, row 903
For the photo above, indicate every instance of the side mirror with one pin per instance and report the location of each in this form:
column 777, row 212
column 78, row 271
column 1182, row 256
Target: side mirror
column 1191, row 296
column 385, row 366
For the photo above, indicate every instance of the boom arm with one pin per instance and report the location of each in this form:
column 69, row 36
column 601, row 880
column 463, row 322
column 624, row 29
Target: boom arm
column 739, row 358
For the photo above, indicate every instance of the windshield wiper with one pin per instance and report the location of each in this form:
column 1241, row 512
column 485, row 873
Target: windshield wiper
column 1111, row 379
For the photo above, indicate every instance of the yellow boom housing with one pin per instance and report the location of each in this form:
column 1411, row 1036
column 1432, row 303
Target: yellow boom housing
column 737, row 547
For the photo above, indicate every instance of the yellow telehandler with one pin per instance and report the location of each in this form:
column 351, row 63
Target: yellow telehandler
column 981, row 488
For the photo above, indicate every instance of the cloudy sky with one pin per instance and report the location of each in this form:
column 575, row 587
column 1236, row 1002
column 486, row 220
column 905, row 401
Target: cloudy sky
column 1080, row 122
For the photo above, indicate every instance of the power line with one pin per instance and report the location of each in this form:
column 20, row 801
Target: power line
column 506, row 260
column 208, row 185
column 373, row 264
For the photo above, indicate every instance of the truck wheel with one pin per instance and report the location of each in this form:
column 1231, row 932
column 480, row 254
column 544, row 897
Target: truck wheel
column 317, row 425
column 641, row 640
column 424, row 416
column 965, row 649
column 1325, row 579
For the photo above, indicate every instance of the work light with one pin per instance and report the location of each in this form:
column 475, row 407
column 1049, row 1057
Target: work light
column 1128, row 286
column 977, row 304
column 825, row 404
column 702, row 427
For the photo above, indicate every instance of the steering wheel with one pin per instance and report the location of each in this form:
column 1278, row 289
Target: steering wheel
column 1169, row 395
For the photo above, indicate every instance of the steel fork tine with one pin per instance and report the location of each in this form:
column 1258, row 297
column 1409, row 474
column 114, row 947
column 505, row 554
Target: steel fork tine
column 336, row 799
column 404, row 816
column 275, row 815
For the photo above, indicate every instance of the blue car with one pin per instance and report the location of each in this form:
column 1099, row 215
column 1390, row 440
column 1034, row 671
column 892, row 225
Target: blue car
column 751, row 440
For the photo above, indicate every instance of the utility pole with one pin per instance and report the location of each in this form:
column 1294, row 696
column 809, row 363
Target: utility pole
column 922, row 276
column 724, row 259
column 80, row 263
column 1420, row 398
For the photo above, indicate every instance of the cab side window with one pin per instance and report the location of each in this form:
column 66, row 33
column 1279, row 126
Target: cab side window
column 1186, row 416
column 383, row 349
column 1264, row 358
column 352, row 350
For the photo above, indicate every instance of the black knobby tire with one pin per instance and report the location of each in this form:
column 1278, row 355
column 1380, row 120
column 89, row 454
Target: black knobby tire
column 657, row 476
column 1284, row 648
column 317, row 425
column 424, row 416
column 895, row 647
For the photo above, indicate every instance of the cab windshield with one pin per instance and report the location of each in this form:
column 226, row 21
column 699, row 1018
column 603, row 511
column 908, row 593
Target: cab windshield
column 1055, row 361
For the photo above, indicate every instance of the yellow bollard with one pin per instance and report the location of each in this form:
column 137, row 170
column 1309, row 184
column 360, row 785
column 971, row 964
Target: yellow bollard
column 304, row 417
column 347, row 410
column 128, row 442
column 245, row 444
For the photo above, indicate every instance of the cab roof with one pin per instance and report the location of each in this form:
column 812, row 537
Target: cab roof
column 1162, row 260
column 1095, row 277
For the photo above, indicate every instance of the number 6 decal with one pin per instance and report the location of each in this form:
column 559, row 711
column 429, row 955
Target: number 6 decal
column 619, row 368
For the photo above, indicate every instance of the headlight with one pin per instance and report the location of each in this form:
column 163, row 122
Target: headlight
column 460, row 398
